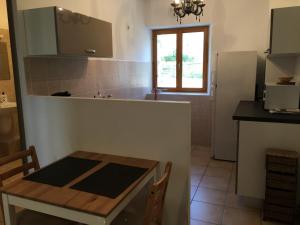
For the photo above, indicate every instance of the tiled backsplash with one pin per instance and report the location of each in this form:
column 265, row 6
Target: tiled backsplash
column 88, row 77
column 201, row 116
column 121, row 79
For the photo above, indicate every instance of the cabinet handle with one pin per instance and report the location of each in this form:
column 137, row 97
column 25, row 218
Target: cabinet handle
column 90, row 51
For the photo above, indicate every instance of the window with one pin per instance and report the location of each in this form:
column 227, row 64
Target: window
column 180, row 59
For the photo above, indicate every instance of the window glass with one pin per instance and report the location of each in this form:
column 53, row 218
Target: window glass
column 180, row 59
column 192, row 59
column 166, row 60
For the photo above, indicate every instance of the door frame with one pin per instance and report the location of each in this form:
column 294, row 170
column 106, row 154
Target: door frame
column 11, row 9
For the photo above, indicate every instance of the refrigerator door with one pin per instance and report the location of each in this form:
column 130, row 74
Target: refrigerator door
column 235, row 81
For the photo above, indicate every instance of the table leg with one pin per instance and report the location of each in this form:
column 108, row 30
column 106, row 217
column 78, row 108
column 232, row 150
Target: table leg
column 9, row 211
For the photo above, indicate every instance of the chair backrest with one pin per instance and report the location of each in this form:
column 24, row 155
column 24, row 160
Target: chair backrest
column 156, row 199
column 25, row 167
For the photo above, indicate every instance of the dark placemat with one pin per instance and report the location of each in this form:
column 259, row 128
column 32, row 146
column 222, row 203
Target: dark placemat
column 111, row 180
column 63, row 171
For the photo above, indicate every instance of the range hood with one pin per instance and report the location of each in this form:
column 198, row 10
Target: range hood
column 54, row 31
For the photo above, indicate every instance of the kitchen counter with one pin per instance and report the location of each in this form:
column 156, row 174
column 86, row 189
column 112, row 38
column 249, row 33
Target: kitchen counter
column 254, row 111
column 259, row 130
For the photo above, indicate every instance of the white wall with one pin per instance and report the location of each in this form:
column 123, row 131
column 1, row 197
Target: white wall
column 237, row 25
column 142, row 129
column 3, row 13
column 131, row 38
column 283, row 3
column 255, row 138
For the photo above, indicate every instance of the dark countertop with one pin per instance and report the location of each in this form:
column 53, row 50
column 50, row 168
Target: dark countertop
column 254, row 111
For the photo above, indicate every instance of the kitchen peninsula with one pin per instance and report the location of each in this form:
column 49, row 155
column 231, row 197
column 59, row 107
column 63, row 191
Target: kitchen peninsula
column 259, row 130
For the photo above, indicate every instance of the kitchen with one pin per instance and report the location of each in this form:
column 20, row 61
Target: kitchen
column 130, row 66
column 271, row 126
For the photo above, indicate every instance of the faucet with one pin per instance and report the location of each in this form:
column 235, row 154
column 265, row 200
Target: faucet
column 156, row 91
column 99, row 95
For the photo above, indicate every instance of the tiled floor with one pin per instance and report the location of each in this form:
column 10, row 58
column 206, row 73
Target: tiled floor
column 213, row 200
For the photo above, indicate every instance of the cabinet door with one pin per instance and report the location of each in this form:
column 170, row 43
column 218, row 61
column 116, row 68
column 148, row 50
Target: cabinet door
column 82, row 35
column 285, row 34
column 40, row 31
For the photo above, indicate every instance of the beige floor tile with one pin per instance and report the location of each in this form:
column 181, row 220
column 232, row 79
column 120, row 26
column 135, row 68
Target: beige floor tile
column 234, row 201
column 201, row 148
column 197, row 222
column 201, row 158
column 194, row 147
column 195, row 180
column 232, row 183
column 271, row 223
column 206, row 212
column 218, row 183
column 200, row 163
column 198, row 169
column 193, row 191
column 203, row 154
column 241, row 217
column 221, row 164
column 233, row 176
column 218, row 172
column 231, row 188
column 210, row 196
column 234, row 171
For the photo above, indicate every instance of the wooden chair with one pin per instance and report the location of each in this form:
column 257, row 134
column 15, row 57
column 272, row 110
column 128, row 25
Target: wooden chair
column 154, row 207
column 156, row 200
column 19, row 158
column 16, row 164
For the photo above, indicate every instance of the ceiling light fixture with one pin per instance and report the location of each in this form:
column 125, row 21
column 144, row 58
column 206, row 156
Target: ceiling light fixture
column 187, row 7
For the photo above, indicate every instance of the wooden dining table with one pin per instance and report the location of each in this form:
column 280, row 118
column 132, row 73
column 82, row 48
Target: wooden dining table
column 84, row 187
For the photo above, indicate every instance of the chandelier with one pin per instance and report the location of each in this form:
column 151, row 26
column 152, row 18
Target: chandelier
column 187, row 7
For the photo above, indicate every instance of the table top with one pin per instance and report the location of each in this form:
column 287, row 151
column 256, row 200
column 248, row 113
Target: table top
column 254, row 111
column 70, row 198
column 7, row 105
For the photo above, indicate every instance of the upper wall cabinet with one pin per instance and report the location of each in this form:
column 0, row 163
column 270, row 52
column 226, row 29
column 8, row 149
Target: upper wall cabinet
column 54, row 31
column 285, row 31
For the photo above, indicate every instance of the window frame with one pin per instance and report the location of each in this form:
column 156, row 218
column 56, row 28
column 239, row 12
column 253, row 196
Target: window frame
column 179, row 32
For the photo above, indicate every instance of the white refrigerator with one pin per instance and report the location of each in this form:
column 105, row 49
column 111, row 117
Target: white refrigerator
column 234, row 81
